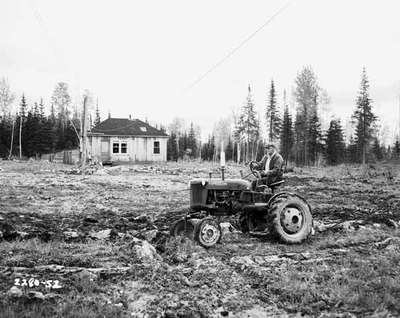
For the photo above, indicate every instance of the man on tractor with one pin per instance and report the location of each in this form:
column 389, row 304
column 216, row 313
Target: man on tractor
column 284, row 214
column 270, row 167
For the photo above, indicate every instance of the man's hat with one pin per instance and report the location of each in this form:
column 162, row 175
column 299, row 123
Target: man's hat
column 270, row 145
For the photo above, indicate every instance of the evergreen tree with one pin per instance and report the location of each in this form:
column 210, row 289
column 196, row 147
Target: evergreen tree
column 22, row 107
column 48, row 136
column 335, row 146
column 71, row 140
column 377, row 149
column 183, row 144
column 229, row 151
column 52, row 113
column 29, row 135
column 6, row 125
column 248, row 127
column 172, row 148
column 212, row 149
column 208, row 149
column 204, row 150
column 35, row 110
column 287, row 136
column 272, row 116
column 192, row 142
column 315, row 145
column 363, row 118
column 60, row 132
column 396, row 149
column 97, row 119
column 41, row 109
column 351, row 151
column 306, row 129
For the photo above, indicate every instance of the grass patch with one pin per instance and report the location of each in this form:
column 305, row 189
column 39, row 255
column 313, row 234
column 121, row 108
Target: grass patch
column 70, row 307
column 352, row 284
column 28, row 253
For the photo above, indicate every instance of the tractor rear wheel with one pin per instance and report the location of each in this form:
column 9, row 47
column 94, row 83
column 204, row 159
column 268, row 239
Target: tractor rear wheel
column 182, row 227
column 208, row 232
column 243, row 222
column 291, row 219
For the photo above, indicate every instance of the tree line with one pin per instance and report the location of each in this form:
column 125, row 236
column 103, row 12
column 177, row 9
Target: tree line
column 30, row 132
column 298, row 134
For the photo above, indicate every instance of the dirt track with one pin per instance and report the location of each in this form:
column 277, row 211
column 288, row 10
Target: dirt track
column 90, row 234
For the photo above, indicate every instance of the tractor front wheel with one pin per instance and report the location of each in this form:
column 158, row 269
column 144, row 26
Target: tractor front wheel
column 291, row 219
column 208, row 232
column 182, row 227
column 243, row 222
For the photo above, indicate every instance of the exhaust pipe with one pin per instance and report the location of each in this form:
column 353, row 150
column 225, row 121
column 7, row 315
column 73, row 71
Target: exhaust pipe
column 222, row 160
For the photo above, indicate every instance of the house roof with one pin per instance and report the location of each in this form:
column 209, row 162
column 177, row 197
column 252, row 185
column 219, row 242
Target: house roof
column 126, row 127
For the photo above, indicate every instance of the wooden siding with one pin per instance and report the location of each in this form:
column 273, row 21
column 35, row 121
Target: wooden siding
column 138, row 148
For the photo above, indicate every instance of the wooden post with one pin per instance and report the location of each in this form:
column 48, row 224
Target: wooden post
column 84, row 134
column 12, row 138
column 20, row 136
column 398, row 135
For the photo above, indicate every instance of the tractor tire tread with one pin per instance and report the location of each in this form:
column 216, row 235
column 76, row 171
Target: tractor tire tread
column 274, row 219
column 198, row 229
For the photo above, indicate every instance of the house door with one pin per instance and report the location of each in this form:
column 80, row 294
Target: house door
column 105, row 150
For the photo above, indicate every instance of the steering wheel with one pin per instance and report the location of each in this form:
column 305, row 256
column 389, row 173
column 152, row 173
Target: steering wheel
column 253, row 165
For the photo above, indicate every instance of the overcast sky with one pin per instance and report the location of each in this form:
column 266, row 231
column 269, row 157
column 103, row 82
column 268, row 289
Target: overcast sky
column 138, row 57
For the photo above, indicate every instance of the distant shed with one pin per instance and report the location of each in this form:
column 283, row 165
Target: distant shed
column 120, row 139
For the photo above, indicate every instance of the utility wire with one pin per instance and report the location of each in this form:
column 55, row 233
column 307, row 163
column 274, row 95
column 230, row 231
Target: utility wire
column 54, row 47
column 46, row 33
column 241, row 44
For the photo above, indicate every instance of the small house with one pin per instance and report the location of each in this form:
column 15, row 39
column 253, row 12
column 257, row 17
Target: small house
column 120, row 139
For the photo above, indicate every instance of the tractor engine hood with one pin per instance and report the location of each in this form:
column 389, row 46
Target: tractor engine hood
column 218, row 184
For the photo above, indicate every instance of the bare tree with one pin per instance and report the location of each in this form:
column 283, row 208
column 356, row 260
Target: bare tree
column 6, row 99
column 22, row 111
column 177, row 127
column 324, row 103
column 222, row 131
column 61, row 99
column 6, row 96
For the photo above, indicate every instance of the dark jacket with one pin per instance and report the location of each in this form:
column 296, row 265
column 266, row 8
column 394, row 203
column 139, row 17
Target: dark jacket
column 275, row 169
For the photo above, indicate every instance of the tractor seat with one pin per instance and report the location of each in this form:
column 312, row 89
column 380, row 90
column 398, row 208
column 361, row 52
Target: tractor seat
column 276, row 184
column 272, row 186
column 262, row 187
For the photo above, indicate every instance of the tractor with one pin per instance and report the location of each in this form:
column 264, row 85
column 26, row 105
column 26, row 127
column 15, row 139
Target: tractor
column 264, row 209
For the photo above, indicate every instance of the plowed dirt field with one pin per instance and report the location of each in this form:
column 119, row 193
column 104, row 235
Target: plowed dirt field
column 98, row 246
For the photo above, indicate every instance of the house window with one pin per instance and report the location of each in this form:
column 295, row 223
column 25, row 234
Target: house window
column 115, row 147
column 123, row 147
column 144, row 129
column 156, row 147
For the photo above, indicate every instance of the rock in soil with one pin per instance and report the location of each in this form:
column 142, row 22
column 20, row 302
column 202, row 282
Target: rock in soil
column 15, row 292
column 145, row 251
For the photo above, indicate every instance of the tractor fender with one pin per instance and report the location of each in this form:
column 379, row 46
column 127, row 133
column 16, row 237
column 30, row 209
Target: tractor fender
column 287, row 193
